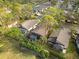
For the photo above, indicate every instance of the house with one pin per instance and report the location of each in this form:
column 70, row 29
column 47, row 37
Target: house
column 39, row 31
column 60, row 39
column 66, row 5
column 28, row 25
column 39, row 8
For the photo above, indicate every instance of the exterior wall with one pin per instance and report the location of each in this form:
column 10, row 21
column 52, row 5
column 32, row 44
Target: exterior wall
column 34, row 36
column 24, row 30
column 56, row 45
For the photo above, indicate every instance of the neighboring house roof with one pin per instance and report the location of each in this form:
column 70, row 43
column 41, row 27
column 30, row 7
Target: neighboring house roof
column 30, row 24
column 55, row 33
column 42, row 6
column 53, row 36
column 64, row 37
column 41, row 30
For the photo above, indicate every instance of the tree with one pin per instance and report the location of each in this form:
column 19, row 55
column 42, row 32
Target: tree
column 48, row 21
column 56, row 13
column 26, row 11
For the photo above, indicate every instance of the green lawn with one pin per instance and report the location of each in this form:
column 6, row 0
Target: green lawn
column 10, row 51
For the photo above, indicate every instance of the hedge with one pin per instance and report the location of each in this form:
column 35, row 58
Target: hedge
column 15, row 33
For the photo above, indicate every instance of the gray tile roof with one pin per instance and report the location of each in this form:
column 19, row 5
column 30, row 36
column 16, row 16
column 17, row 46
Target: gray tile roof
column 29, row 24
column 41, row 30
column 55, row 33
column 64, row 37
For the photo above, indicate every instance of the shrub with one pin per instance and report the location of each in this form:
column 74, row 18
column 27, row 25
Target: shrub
column 15, row 33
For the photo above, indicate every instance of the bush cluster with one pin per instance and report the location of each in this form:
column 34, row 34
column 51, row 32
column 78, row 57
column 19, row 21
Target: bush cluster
column 15, row 33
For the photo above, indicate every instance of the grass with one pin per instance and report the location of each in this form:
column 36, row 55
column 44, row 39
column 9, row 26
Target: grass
column 12, row 55
column 71, row 51
column 10, row 51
